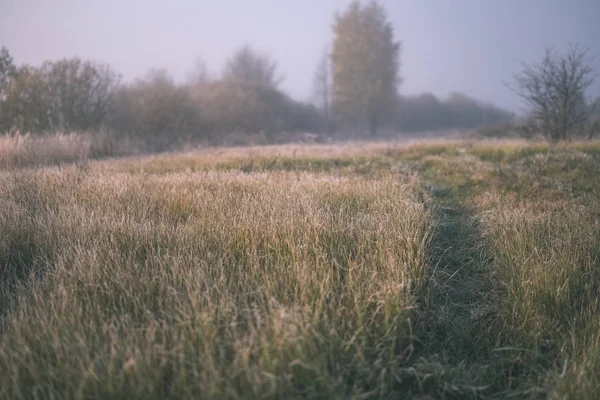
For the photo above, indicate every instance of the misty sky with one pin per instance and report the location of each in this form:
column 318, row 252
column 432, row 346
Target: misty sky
column 471, row 46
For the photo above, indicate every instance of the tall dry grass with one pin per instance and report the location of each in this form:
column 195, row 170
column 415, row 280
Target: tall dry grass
column 546, row 267
column 24, row 150
column 217, row 285
column 433, row 270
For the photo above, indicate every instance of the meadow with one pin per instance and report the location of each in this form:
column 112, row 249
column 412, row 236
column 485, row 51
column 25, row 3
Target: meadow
column 448, row 269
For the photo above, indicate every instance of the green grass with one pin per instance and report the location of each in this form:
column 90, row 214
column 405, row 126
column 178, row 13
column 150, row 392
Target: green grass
column 447, row 270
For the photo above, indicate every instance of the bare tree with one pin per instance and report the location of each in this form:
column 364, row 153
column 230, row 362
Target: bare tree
column 68, row 94
column 322, row 85
column 80, row 91
column 555, row 90
column 7, row 70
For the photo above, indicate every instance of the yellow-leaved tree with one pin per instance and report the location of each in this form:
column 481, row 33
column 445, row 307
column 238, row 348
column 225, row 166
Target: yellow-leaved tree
column 365, row 67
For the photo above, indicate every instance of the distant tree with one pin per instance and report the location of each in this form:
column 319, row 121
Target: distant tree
column 249, row 66
column 555, row 90
column 425, row 112
column 81, row 93
column 596, row 109
column 594, row 121
column 7, row 74
column 157, row 110
column 232, row 106
column 26, row 104
column 322, row 85
column 463, row 110
column 7, row 71
column 307, row 117
column 242, row 108
column 60, row 96
column 365, row 66
column 199, row 74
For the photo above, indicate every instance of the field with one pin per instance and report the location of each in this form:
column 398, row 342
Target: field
column 438, row 270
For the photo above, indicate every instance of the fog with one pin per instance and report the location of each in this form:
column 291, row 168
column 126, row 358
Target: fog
column 469, row 46
column 165, row 74
column 301, row 199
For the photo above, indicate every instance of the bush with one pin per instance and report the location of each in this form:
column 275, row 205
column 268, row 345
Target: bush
column 23, row 150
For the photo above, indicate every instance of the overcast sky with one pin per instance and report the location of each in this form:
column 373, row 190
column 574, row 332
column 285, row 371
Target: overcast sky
column 471, row 46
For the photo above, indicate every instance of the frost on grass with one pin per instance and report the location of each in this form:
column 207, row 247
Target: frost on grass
column 206, row 284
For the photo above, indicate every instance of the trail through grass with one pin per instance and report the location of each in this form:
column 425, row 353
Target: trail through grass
column 450, row 270
column 518, row 234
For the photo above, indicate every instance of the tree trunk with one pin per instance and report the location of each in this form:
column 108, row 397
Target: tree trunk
column 373, row 126
column 593, row 130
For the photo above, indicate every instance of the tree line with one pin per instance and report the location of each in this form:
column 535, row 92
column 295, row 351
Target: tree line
column 426, row 112
column 77, row 95
column 355, row 94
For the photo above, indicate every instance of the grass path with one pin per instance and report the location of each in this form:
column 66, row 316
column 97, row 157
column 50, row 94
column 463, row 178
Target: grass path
column 462, row 351
column 476, row 322
column 438, row 271
column 451, row 323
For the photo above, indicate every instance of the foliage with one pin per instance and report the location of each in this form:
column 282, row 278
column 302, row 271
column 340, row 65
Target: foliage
column 157, row 109
column 69, row 94
column 230, row 106
column 365, row 66
column 425, row 112
column 76, row 95
column 249, row 66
